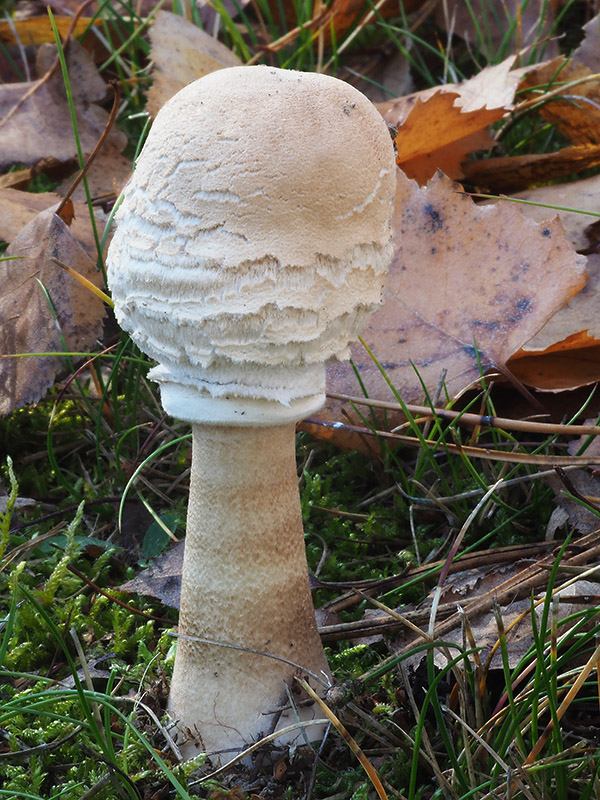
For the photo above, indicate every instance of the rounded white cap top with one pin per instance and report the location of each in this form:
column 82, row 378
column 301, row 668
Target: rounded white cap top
column 253, row 240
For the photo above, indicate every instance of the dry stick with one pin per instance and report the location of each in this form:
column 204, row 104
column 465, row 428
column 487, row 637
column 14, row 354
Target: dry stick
column 517, row 586
column 109, row 123
column 46, row 77
column 442, row 502
column 487, row 454
column 381, row 625
column 421, row 14
column 473, row 419
column 321, row 19
column 474, row 560
column 396, row 615
column 20, row 549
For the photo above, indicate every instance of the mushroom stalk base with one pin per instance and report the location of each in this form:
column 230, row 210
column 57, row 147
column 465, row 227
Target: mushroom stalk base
column 245, row 584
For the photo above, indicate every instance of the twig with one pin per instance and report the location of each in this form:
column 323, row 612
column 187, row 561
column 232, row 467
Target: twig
column 519, row 585
column 484, row 453
column 475, row 420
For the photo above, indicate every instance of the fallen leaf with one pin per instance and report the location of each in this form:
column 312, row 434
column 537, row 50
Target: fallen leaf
column 516, row 619
column 28, row 326
column 580, row 517
column 17, row 209
column 576, row 111
column 41, row 108
column 588, row 52
column 565, row 353
column 37, row 30
column 181, row 52
column 162, row 579
column 492, row 88
column 503, row 175
column 576, row 325
column 468, row 287
column 438, row 128
column 559, row 371
column 437, row 134
column 583, row 195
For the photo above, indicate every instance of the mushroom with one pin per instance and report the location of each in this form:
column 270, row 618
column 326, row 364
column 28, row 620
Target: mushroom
column 252, row 244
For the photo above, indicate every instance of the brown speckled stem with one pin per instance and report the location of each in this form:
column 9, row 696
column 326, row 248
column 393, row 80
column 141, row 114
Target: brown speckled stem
column 245, row 582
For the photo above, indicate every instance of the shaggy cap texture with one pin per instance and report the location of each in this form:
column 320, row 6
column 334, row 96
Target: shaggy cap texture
column 255, row 234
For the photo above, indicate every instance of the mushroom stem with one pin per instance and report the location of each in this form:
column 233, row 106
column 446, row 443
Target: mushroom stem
column 245, row 583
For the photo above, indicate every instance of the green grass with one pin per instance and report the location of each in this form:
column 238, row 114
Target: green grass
column 84, row 680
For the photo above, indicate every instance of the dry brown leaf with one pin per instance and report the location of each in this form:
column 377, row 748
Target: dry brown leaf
column 583, row 195
column 577, row 111
column 38, row 30
column 504, row 175
column 575, row 326
column 462, row 275
column 559, row 371
column 565, row 353
column 437, row 134
column 28, row 325
column 41, row 109
column 18, row 209
column 588, row 52
column 579, row 517
column 440, row 127
column 492, row 88
column 162, row 579
column 587, row 483
column 181, row 52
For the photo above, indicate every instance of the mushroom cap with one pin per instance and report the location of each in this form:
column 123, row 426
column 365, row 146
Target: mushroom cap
column 253, row 240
